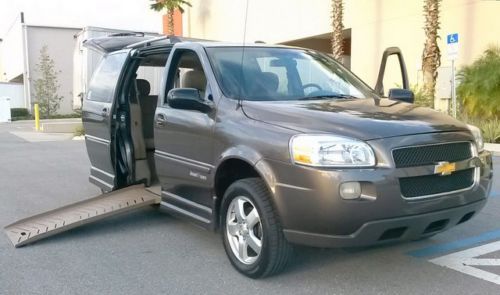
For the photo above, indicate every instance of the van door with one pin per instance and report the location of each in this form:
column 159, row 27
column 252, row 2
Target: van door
column 97, row 119
column 183, row 138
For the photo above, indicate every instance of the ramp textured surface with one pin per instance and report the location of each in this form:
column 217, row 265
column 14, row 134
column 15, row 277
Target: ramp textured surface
column 46, row 224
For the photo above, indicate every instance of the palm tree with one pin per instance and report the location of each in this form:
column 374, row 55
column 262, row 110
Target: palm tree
column 431, row 56
column 337, row 26
column 170, row 6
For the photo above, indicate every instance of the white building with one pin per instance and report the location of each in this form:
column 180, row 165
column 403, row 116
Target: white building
column 85, row 60
column 370, row 27
column 57, row 25
column 21, row 54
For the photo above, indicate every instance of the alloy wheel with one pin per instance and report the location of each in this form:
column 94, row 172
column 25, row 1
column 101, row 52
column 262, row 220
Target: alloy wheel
column 244, row 230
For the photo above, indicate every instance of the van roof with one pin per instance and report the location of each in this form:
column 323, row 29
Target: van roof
column 131, row 40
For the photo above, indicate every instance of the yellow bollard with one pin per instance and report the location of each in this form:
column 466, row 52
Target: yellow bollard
column 37, row 117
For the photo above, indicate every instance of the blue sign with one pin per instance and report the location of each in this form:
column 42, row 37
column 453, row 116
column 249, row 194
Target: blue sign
column 452, row 38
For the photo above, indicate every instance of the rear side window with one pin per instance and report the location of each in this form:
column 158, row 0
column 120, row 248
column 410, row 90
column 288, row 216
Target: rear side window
column 105, row 78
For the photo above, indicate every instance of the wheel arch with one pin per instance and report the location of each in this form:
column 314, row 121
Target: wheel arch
column 235, row 165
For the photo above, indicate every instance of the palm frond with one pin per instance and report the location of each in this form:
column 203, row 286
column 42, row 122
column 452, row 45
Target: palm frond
column 479, row 88
column 160, row 5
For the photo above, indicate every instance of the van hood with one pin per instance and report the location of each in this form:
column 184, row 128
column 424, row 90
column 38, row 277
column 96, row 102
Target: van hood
column 364, row 119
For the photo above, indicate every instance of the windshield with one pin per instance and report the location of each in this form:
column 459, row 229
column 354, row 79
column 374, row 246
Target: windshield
column 263, row 73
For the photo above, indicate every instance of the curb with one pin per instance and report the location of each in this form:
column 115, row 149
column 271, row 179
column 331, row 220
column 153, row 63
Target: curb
column 494, row 148
column 80, row 137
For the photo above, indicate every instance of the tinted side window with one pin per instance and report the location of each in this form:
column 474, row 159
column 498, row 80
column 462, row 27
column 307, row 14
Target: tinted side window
column 187, row 72
column 105, row 77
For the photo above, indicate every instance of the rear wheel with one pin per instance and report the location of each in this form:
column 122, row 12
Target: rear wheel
column 251, row 233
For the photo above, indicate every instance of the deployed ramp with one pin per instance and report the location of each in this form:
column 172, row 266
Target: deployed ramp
column 43, row 225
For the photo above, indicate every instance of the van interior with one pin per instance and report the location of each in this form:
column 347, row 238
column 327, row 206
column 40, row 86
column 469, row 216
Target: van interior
column 134, row 143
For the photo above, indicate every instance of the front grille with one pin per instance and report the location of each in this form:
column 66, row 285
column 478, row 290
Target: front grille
column 431, row 154
column 413, row 187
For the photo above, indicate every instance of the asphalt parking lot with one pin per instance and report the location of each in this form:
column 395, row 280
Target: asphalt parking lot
column 152, row 253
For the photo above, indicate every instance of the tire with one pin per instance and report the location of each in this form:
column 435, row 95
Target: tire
column 242, row 227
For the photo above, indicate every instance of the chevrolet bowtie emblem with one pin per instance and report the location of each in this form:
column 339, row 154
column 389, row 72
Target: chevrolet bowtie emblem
column 444, row 168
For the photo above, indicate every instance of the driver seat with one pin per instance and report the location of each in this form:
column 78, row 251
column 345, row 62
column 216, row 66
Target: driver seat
column 194, row 79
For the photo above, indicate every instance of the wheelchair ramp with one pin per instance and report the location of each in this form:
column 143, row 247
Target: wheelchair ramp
column 46, row 224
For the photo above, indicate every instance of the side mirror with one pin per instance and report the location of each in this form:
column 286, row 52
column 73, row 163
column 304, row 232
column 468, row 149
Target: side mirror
column 401, row 95
column 379, row 87
column 187, row 99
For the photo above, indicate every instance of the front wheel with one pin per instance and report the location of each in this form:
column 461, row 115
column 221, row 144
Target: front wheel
column 251, row 232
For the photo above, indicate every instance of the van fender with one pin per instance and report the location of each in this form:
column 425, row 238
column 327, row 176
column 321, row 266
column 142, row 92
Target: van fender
column 253, row 158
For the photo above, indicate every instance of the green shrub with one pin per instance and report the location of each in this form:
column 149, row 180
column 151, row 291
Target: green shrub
column 490, row 128
column 65, row 116
column 79, row 131
column 479, row 88
column 19, row 112
column 21, row 118
column 421, row 98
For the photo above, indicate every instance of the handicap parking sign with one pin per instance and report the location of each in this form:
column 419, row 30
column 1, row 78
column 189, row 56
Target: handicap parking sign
column 452, row 38
column 452, row 42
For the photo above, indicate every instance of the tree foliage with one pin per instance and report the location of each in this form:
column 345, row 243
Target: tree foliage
column 170, row 6
column 431, row 56
column 47, row 85
column 421, row 97
column 479, row 88
column 337, row 29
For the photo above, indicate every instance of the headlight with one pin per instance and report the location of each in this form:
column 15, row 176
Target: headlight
column 331, row 151
column 478, row 138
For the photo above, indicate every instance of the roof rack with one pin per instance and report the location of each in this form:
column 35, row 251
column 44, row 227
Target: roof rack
column 148, row 42
column 124, row 34
column 171, row 38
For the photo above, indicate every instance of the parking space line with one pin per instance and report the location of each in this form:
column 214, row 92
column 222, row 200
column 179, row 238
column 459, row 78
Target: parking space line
column 464, row 261
column 448, row 247
column 494, row 194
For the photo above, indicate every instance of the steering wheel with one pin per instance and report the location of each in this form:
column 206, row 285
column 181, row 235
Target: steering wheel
column 309, row 85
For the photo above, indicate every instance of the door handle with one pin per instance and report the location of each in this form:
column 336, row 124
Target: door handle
column 161, row 120
column 104, row 112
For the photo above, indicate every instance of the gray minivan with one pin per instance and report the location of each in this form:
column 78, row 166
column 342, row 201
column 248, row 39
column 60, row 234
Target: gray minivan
column 276, row 146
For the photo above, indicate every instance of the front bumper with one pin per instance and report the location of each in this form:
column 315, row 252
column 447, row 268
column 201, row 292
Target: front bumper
column 313, row 213
column 391, row 230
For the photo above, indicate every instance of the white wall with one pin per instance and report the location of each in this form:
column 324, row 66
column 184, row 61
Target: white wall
column 14, row 91
column 2, row 79
column 12, row 52
column 116, row 14
column 60, row 44
column 270, row 21
column 375, row 25
column 85, row 61
column 4, row 110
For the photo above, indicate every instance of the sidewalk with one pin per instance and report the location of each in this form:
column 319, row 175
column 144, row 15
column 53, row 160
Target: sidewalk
column 29, row 125
column 32, row 122
column 493, row 147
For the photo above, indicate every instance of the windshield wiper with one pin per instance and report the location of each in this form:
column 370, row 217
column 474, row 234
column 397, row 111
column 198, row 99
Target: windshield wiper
column 337, row 96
